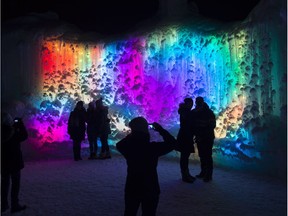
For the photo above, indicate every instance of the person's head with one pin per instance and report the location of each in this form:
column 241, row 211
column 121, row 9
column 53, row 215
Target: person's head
column 139, row 124
column 188, row 102
column 80, row 105
column 99, row 102
column 91, row 105
column 199, row 102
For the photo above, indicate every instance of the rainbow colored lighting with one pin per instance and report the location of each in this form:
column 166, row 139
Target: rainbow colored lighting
column 150, row 75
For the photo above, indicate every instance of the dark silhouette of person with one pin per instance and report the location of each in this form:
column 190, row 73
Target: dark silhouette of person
column 142, row 185
column 103, row 128
column 77, row 128
column 12, row 134
column 205, row 122
column 185, row 138
column 92, row 130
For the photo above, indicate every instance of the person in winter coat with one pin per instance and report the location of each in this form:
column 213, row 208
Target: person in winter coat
column 92, row 130
column 185, row 138
column 12, row 134
column 205, row 122
column 142, row 186
column 77, row 128
column 103, row 128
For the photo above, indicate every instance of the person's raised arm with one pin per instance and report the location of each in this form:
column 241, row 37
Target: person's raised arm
column 169, row 143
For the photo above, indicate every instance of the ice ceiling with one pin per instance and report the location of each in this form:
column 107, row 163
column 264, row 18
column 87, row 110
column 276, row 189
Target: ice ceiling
column 149, row 75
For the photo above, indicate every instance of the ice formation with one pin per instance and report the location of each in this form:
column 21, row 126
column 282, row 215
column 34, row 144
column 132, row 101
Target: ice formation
column 240, row 70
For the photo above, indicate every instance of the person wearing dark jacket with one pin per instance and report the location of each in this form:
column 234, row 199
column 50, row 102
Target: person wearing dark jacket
column 103, row 128
column 92, row 130
column 77, row 128
column 205, row 122
column 12, row 134
column 185, row 138
column 142, row 185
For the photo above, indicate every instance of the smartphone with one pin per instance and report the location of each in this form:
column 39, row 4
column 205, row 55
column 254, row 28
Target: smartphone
column 150, row 126
column 16, row 120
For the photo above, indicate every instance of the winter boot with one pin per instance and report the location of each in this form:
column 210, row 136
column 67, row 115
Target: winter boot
column 186, row 177
column 208, row 176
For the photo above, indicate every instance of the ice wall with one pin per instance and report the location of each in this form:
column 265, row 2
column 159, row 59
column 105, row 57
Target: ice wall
column 240, row 71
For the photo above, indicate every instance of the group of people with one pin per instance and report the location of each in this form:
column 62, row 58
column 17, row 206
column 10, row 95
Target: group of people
column 98, row 126
column 142, row 186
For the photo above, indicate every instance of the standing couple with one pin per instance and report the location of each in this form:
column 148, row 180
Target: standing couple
column 196, row 126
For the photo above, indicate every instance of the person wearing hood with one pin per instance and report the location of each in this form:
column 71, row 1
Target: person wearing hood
column 142, row 185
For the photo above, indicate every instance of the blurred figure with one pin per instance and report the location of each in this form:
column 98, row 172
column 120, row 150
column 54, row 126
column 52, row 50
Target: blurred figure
column 103, row 128
column 92, row 130
column 185, row 138
column 205, row 122
column 12, row 134
column 142, row 186
column 77, row 128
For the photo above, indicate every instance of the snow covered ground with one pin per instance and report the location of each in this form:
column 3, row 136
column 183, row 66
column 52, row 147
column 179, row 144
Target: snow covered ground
column 96, row 187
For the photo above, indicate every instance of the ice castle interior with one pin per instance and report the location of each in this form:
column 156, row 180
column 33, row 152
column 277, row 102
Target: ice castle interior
column 240, row 70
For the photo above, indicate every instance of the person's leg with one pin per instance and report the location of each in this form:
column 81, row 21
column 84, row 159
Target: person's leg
column 77, row 150
column 208, row 160
column 91, row 147
column 132, row 204
column 105, row 151
column 15, row 188
column 184, row 163
column 5, row 183
column 149, row 205
column 95, row 146
column 15, row 179
column 203, row 169
column 104, row 141
column 184, row 160
column 201, row 154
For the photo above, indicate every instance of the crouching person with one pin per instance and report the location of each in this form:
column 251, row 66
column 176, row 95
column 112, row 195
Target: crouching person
column 142, row 186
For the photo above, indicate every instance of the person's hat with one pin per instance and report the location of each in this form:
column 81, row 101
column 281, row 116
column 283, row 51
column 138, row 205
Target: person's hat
column 139, row 124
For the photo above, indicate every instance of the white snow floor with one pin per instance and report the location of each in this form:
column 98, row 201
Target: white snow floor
column 96, row 187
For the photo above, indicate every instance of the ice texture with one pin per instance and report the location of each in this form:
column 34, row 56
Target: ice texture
column 240, row 71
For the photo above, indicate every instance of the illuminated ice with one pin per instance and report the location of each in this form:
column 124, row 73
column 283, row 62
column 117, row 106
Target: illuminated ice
column 240, row 70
